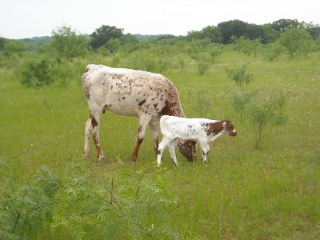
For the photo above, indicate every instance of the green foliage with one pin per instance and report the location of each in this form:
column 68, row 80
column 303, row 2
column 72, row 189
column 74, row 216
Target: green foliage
column 2, row 42
column 263, row 110
column 67, row 44
column 14, row 48
column 266, row 111
column 295, row 40
column 274, row 51
column 113, row 45
column 240, row 76
column 203, row 53
column 240, row 102
column 103, row 35
column 37, row 73
column 84, row 208
column 247, row 46
column 147, row 60
column 209, row 32
column 58, row 194
column 202, row 103
column 27, row 210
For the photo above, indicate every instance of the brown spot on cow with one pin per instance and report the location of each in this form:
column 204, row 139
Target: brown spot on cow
column 142, row 102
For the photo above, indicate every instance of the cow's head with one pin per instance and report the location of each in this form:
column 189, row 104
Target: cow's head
column 228, row 128
column 188, row 149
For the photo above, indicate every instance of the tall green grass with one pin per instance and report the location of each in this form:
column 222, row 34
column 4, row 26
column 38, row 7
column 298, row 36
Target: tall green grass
column 240, row 193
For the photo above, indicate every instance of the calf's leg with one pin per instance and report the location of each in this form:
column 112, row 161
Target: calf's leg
column 154, row 127
column 205, row 148
column 164, row 143
column 172, row 146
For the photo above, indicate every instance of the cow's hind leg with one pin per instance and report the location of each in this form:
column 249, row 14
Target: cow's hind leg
column 143, row 123
column 93, row 126
column 88, row 132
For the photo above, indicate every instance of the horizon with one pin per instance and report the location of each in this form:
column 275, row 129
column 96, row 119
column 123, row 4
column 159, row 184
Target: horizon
column 159, row 34
column 25, row 19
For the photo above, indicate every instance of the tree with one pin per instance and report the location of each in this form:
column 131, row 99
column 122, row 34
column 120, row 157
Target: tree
column 113, row 45
column 282, row 25
column 266, row 111
column 68, row 44
column 295, row 40
column 103, row 35
column 12, row 47
column 37, row 73
column 268, row 34
column 240, row 76
column 203, row 53
column 253, row 31
column 2, row 42
column 210, row 32
column 313, row 29
column 232, row 28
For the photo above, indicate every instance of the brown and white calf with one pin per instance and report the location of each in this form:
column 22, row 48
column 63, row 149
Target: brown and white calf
column 201, row 130
column 133, row 93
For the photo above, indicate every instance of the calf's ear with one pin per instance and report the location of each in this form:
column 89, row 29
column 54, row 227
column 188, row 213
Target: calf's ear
column 224, row 124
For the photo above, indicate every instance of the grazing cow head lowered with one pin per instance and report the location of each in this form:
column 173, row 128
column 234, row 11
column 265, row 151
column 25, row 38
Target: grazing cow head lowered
column 132, row 93
column 201, row 130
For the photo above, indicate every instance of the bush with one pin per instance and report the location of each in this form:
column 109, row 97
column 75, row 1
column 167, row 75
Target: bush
column 37, row 73
column 75, row 206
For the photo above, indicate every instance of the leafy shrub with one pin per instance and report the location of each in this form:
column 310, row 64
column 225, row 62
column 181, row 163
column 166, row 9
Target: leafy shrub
column 36, row 73
column 240, row 76
column 26, row 210
column 265, row 111
column 75, row 206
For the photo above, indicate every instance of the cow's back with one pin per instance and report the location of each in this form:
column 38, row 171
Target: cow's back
column 130, row 92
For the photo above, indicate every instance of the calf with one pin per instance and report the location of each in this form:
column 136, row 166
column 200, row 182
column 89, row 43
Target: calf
column 202, row 130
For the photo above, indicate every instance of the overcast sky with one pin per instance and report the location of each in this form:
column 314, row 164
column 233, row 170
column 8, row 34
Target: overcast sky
column 35, row 18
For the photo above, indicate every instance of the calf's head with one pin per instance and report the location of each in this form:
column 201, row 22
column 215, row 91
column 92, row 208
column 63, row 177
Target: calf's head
column 228, row 128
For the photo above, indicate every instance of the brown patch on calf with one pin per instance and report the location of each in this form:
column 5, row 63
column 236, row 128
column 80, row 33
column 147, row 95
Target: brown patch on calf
column 212, row 128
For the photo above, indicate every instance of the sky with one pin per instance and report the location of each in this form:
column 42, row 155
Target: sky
column 37, row 18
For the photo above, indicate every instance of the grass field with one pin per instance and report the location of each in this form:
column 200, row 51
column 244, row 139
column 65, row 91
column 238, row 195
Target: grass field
column 241, row 192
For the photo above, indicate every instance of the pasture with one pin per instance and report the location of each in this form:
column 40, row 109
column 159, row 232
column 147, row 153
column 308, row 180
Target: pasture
column 50, row 191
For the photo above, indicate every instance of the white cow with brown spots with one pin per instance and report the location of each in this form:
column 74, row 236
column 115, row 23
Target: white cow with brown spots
column 132, row 93
column 201, row 130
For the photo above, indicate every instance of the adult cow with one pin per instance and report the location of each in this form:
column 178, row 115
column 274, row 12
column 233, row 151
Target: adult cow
column 132, row 93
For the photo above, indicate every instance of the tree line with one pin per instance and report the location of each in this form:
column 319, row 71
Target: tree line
column 223, row 33
column 156, row 53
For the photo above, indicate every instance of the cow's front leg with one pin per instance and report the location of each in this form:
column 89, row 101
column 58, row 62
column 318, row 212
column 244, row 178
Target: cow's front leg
column 143, row 123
